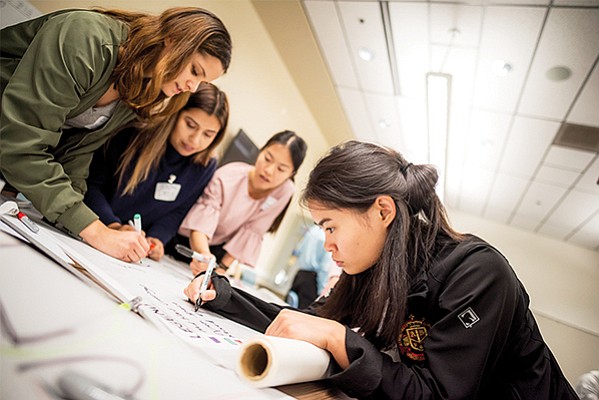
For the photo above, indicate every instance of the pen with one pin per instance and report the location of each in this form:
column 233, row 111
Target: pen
column 186, row 251
column 204, row 285
column 137, row 222
column 28, row 222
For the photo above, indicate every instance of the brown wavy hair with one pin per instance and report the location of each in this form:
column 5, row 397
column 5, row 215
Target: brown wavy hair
column 190, row 29
column 149, row 145
column 351, row 177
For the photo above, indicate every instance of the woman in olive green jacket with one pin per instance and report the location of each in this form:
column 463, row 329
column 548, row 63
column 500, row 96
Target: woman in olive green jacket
column 70, row 78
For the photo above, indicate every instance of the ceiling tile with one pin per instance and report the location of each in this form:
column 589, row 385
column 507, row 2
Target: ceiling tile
column 452, row 196
column 487, row 134
column 585, row 109
column 570, row 38
column 363, row 26
column 454, row 175
column 589, row 182
column 412, row 120
column 528, row 141
column 539, row 199
column 383, row 118
column 455, row 25
column 573, row 211
column 476, row 185
column 325, row 23
column 515, row 47
column 354, row 106
column 504, row 197
column 588, row 234
column 567, row 158
column 556, row 176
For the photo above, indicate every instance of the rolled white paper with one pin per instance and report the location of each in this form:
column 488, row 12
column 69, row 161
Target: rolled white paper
column 267, row 361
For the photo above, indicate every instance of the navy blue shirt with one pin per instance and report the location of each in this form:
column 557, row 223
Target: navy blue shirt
column 160, row 219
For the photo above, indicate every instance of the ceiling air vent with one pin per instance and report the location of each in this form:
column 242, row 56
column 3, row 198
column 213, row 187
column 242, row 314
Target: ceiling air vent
column 579, row 137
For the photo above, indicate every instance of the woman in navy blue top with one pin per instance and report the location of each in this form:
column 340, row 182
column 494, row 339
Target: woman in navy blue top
column 159, row 170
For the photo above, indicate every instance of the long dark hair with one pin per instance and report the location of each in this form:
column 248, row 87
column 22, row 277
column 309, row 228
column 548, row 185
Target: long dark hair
column 350, row 177
column 149, row 145
column 297, row 148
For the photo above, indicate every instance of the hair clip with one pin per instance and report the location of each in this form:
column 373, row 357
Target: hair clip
column 404, row 169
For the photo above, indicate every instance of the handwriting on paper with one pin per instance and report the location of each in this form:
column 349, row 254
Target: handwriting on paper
column 201, row 328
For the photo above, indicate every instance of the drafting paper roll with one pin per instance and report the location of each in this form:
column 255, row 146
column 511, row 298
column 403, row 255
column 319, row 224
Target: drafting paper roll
column 272, row 361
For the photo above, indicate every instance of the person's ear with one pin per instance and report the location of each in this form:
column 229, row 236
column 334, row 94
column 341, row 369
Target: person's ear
column 386, row 209
column 168, row 42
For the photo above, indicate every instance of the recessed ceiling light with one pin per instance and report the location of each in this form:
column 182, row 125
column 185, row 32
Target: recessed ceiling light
column 384, row 123
column 486, row 143
column 501, row 68
column 559, row 73
column 366, row 54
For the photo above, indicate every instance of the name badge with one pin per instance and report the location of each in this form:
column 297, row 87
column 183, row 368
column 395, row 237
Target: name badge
column 166, row 191
column 268, row 202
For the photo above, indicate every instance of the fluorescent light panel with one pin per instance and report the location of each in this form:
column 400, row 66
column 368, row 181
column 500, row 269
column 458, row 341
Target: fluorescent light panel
column 438, row 86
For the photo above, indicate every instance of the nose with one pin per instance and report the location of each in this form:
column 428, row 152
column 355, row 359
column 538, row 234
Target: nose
column 329, row 246
column 195, row 138
column 269, row 169
column 192, row 84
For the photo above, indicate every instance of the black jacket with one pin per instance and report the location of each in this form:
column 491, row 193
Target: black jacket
column 468, row 335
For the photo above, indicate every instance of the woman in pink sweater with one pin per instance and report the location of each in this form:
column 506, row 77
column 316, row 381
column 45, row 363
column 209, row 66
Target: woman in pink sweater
column 242, row 202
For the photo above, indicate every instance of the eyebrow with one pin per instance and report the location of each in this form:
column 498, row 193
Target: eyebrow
column 322, row 221
column 187, row 117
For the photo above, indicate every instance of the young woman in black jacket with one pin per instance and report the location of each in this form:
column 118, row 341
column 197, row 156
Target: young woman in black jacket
column 420, row 311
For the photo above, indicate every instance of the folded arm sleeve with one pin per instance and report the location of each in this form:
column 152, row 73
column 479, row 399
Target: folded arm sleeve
column 241, row 306
column 204, row 214
column 246, row 243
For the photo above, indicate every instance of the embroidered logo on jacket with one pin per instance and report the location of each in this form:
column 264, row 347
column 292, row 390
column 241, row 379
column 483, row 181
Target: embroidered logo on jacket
column 411, row 341
column 468, row 317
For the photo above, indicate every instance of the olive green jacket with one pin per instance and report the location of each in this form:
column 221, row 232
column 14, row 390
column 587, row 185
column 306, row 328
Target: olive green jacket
column 53, row 68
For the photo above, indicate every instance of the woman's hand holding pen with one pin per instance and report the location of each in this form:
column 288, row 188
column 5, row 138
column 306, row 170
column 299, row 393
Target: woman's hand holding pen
column 126, row 246
column 124, row 228
column 321, row 332
column 192, row 290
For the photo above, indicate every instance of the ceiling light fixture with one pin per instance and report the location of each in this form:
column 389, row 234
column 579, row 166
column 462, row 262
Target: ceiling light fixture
column 384, row 123
column 438, row 88
column 366, row 54
column 558, row 73
column 501, row 68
